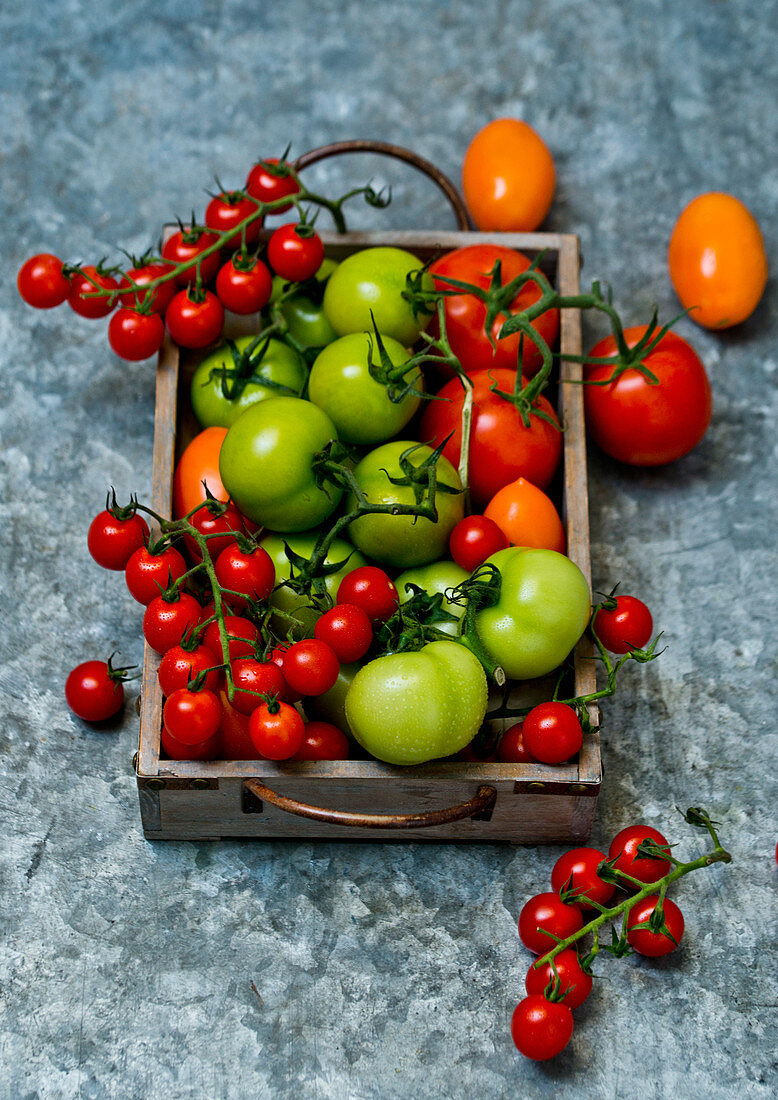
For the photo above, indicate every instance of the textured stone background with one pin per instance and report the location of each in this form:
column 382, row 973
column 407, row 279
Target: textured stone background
column 382, row 970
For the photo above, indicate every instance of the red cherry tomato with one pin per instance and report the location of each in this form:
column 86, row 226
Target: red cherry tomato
column 177, row 750
column 512, row 748
column 86, row 283
column 41, row 283
column 244, row 290
column 628, row 626
column 541, row 1029
column 112, row 541
column 288, row 695
column 473, row 540
column 624, row 849
column 194, row 320
column 347, row 630
column 253, row 678
column 276, row 734
column 192, row 717
column 572, row 977
column 552, row 733
column 185, row 247
column 135, row 336
column 148, row 575
column 180, row 666
column 161, row 296
column 246, row 575
column 546, row 913
column 226, row 211
column 654, row 944
column 295, row 253
column 310, row 667
column 165, row 622
column 266, row 186
column 93, row 692
column 575, row 872
column 371, row 589
column 219, row 526
column 323, row 741
column 242, row 635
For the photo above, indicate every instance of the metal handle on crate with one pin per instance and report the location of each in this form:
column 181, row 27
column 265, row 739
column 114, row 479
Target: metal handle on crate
column 385, row 148
column 480, row 805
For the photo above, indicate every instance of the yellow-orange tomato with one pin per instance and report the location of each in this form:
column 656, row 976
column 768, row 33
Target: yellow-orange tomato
column 527, row 516
column 717, row 260
column 508, row 177
column 198, row 463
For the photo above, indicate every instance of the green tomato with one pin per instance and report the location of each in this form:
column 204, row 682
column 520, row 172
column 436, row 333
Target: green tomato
column 373, row 281
column 358, row 405
column 433, row 579
column 404, row 541
column 280, row 365
column 328, row 265
column 292, row 603
column 266, row 464
column 307, row 322
column 331, row 706
column 543, row 610
column 408, row 708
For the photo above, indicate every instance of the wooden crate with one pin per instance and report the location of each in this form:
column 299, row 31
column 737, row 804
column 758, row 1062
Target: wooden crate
column 520, row 803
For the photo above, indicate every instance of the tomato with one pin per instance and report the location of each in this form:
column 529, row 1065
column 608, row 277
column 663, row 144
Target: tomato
column 508, row 177
column 277, row 655
column 199, row 463
column 265, row 464
column 307, row 322
column 244, row 286
column 135, row 336
column 195, row 320
column 624, row 849
column 41, row 283
column 644, row 424
column 293, row 603
column 94, row 691
column 552, row 733
column 512, row 748
column 185, row 247
column 112, row 541
column 627, row 626
column 717, row 260
column 473, row 540
column 654, row 944
column 242, row 637
column 542, row 611
column 179, row 666
column 295, row 252
column 347, row 630
column 223, row 388
column 219, row 527
column 527, row 516
column 323, row 741
column 310, row 667
column 572, row 977
column 544, row 919
column 277, row 734
column 331, row 706
column 541, row 1029
column 166, row 621
column 234, row 733
column 141, row 276
column 501, row 447
column 404, row 541
column 226, row 211
column 576, row 872
column 466, row 314
column 148, row 575
column 192, row 717
column 368, row 285
column 253, row 678
column 371, row 589
column 177, row 750
column 357, row 403
column 249, row 573
column 86, row 283
column 436, row 578
column 267, row 186
column 407, row 708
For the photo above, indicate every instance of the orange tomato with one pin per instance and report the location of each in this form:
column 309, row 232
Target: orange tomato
column 527, row 516
column 717, row 260
column 508, row 177
column 198, row 463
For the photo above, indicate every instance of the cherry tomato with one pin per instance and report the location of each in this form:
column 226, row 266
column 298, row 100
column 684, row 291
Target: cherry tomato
column 93, row 692
column 148, row 575
column 165, row 622
column 276, row 734
column 643, row 868
column 347, row 630
column 41, row 283
column 195, row 321
column 527, row 516
column 112, row 541
column 242, row 635
column 219, row 528
column 473, row 540
column 192, row 716
column 251, row 574
column 184, row 247
column 541, row 1029
column 717, row 260
column 547, row 913
column 288, row 695
column 234, row 733
column 552, row 733
column 242, row 289
column 654, row 944
column 323, row 741
column 177, row 750
column 508, row 177
column 135, row 336
column 266, row 186
column 575, row 872
column 141, row 277
column 371, row 589
column 179, row 666
column 199, row 463
column 253, row 678
column 572, row 977
column 295, row 253
column 226, row 211
column 86, row 283
column 310, row 667
column 641, row 423
column 512, row 748
column 628, row 626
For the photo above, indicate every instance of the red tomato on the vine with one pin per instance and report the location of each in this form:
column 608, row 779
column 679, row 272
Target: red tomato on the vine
column 185, row 247
column 253, row 678
column 242, row 637
column 192, row 717
column 624, row 849
column 142, row 276
column 249, row 575
column 112, row 541
column 165, row 622
column 85, row 283
column 628, row 625
column 576, row 873
column 135, row 336
column 541, row 1029
column 572, row 977
column 310, row 667
column 41, row 283
column 226, row 211
column 148, row 575
column 347, row 630
column 244, row 290
column 277, row 734
column 267, row 186
column 295, row 252
column 371, row 589
column 195, row 320
column 179, row 666
column 547, row 913
column 654, row 944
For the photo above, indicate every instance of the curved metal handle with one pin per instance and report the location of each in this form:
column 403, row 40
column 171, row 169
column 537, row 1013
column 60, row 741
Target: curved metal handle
column 481, row 804
column 385, row 148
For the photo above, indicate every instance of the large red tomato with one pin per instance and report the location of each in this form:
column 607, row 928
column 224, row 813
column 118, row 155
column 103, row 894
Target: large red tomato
column 643, row 423
column 501, row 448
column 466, row 314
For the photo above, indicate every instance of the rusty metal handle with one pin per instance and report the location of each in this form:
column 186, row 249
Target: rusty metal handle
column 385, row 148
column 481, row 804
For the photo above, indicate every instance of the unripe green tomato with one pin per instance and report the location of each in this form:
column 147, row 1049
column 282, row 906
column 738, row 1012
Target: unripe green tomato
column 404, row 541
column 280, row 364
column 265, row 464
column 436, row 577
column 331, row 706
column 408, row 708
column 358, row 405
column 373, row 281
column 292, row 603
column 543, row 610
column 307, row 322
column 280, row 284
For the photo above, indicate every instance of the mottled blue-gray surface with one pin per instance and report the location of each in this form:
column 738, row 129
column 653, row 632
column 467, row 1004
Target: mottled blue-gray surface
column 233, row 969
